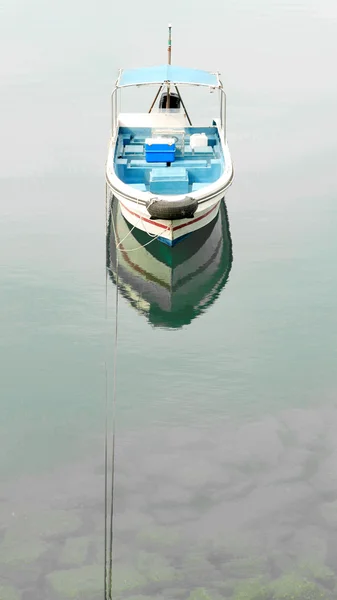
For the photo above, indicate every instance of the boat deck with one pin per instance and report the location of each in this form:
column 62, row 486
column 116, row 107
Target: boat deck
column 191, row 169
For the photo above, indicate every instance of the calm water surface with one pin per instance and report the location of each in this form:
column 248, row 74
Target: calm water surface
column 226, row 465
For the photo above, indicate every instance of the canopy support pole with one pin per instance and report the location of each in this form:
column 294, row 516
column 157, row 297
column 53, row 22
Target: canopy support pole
column 155, row 100
column 184, row 107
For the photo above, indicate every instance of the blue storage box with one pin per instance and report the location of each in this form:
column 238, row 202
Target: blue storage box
column 160, row 149
column 168, row 180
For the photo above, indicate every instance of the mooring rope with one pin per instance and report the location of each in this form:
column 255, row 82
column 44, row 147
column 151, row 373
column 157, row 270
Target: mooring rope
column 114, row 397
column 153, row 237
column 106, row 418
column 109, row 511
column 106, row 462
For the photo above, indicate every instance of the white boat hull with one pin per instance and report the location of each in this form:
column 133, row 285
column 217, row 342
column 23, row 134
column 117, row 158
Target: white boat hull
column 167, row 231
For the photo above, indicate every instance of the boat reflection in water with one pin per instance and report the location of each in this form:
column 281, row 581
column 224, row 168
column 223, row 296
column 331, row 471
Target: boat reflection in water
column 170, row 286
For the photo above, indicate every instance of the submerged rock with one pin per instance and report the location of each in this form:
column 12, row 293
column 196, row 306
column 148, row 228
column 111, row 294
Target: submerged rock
column 256, row 443
column 174, row 593
column 291, row 467
column 256, row 589
column 171, row 494
column 329, row 514
column 154, row 567
column 56, row 523
column 226, row 588
column 47, row 524
column 9, row 593
column 7, row 515
column 306, row 426
column 240, row 544
column 199, row 594
column 126, row 578
column 278, row 533
column 281, row 560
column 145, row 598
column 85, row 583
column 197, row 474
column 310, row 545
column 325, row 480
column 319, row 573
column 75, row 551
column 159, row 537
column 16, row 552
column 245, row 568
column 97, row 549
column 198, row 569
column 288, row 587
column 131, row 521
column 265, row 502
column 293, row 587
column 25, row 542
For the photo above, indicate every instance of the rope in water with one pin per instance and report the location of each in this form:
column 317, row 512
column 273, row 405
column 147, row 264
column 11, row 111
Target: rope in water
column 119, row 244
column 106, row 423
column 109, row 511
column 111, row 536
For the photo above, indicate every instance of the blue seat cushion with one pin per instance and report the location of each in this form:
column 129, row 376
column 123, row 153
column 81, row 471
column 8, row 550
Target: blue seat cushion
column 169, row 181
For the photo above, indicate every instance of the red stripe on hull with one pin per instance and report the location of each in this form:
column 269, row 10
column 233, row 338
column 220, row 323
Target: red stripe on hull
column 195, row 220
column 165, row 226
column 144, row 218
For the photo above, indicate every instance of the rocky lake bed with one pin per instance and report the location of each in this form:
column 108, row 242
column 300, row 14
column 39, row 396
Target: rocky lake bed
column 237, row 511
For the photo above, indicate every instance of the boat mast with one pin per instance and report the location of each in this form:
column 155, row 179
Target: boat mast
column 169, row 49
column 168, row 83
column 169, row 52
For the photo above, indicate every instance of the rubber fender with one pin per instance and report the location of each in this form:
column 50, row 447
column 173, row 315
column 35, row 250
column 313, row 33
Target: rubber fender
column 172, row 210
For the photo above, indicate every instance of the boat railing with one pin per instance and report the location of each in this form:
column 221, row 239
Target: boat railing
column 114, row 112
column 174, row 113
column 223, row 112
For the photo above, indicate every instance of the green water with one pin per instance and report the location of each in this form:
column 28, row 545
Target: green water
column 226, row 453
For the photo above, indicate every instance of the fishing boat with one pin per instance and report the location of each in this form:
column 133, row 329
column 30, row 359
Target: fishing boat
column 169, row 286
column 168, row 175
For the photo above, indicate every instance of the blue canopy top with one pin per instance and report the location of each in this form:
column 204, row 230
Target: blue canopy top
column 164, row 73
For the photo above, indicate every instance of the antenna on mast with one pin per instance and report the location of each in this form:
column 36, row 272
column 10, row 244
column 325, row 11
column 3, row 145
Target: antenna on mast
column 169, row 52
column 169, row 49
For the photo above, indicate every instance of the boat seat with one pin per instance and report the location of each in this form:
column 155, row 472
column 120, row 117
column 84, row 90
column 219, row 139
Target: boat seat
column 208, row 174
column 133, row 149
column 121, row 165
column 136, row 163
column 203, row 150
column 189, row 163
column 169, row 181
